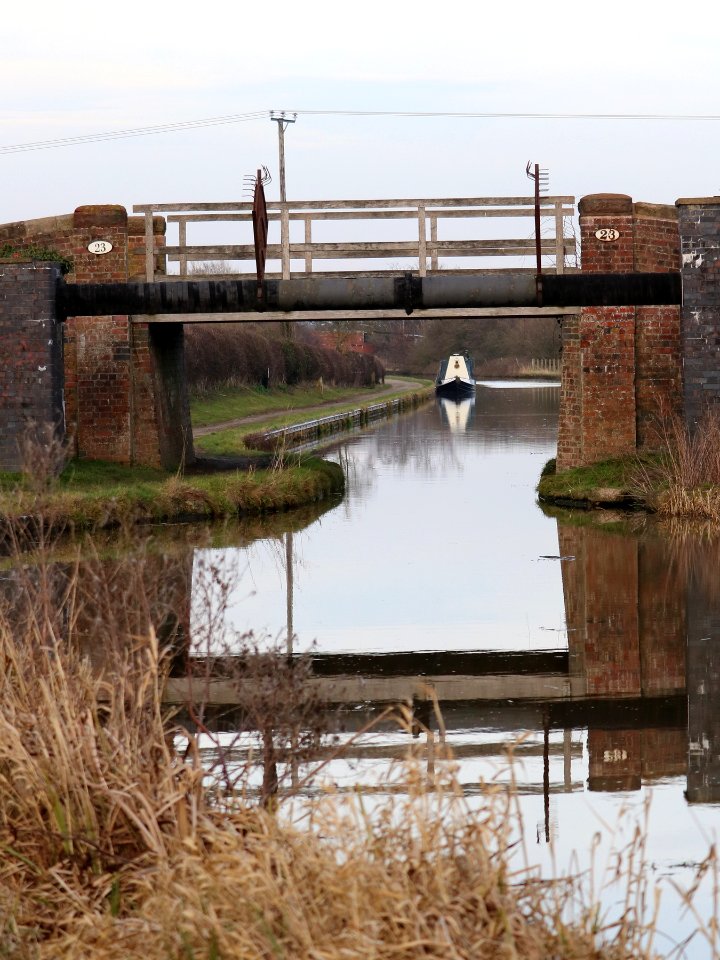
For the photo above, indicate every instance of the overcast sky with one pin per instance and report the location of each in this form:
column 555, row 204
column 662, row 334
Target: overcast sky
column 89, row 67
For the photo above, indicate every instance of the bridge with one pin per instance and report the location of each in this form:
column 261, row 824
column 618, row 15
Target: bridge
column 101, row 352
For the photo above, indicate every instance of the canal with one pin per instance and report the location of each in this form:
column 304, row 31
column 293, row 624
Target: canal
column 585, row 649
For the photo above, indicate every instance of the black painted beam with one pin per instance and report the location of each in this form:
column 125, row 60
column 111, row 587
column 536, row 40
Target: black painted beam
column 408, row 292
column 611, row 289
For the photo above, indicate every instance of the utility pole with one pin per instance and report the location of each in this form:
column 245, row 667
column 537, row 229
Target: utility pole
column 282, row 122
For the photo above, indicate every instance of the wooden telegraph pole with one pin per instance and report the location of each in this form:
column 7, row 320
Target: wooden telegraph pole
column 282, row 122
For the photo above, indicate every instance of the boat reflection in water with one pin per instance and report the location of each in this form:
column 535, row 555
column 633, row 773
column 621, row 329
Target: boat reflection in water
column 457, row 414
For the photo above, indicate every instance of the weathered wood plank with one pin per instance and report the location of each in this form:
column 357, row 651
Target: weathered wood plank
column 149, row 248
column 433, row 242
column 359, row 204
column 308, row 243
column 370, row 215
column 370, row 249
column 422, row 240
column 276, row 316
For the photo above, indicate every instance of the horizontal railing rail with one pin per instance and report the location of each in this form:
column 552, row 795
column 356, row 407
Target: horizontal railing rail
column 426, row 248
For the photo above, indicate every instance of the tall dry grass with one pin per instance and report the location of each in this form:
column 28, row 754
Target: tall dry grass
column 685, row 480
column 115, row 844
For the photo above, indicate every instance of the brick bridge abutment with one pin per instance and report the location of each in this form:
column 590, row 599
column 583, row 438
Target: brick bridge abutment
column 625, row 369
column 115, row 387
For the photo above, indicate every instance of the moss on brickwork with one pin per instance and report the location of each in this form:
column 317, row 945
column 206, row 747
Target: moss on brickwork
column 34, row 251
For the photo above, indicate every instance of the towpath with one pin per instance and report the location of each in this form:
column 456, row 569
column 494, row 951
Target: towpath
column 392, row 385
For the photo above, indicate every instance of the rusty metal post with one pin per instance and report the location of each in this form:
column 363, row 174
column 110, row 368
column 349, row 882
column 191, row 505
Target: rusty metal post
column 538, row 240
column 260, row 232
column 539, row 177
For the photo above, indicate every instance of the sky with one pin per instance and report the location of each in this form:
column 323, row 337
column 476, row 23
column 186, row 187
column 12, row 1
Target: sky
column 94, row 67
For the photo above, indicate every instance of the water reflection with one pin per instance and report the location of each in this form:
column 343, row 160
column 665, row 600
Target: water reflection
column 622, row 690
column 457, row 413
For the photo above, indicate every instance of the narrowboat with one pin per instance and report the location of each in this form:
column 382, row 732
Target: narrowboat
column 455, row 378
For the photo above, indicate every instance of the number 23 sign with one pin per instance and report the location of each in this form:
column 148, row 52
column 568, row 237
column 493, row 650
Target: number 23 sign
column 99, row 246
column 607, row 234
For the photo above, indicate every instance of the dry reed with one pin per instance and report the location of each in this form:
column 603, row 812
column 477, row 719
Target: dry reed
column 114, row 845
column 685, row 480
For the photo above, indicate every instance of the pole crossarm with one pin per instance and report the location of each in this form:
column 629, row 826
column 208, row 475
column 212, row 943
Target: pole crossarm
column 405, row 292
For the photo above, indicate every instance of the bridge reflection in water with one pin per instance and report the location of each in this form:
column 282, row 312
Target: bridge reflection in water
column 640, row 674
column 638, row 684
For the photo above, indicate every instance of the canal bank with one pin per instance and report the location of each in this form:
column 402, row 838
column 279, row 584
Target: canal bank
column 674, row 483
column 231, row 479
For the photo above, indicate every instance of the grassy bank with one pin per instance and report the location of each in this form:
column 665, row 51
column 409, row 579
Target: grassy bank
column 681, row 479
column 219, row 406
column 609, row 483
column 239, row 440
column 93, row 494
column 97, row 495
column 121, row 837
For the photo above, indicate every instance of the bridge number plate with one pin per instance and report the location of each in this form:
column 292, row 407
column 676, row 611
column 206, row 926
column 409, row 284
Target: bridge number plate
column 607, row 234
column 100, row 246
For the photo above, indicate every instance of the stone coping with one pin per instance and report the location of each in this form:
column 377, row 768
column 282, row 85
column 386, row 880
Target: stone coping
column 698, row 202
column 605, row 204
column 621, row 205
column 655, row 211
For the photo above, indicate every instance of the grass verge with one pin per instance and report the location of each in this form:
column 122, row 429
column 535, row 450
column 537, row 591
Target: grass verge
column 94, row 494
column 681, row 480
column 611, row 482
column 232, row 441
column 219, row 406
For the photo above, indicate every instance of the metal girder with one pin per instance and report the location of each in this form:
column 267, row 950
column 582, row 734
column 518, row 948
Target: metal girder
column 408, row 292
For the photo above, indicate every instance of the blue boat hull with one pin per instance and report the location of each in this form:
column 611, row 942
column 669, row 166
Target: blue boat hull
column 455, row 389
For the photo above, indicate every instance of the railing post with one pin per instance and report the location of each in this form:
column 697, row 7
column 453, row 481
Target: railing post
column 422, row 241
column 285, row 240
column 182, row 241
column 433, row 241
column 149, row 247
column 559, row 239
column 308, row 241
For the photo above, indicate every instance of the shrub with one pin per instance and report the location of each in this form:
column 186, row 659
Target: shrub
column 219, row 354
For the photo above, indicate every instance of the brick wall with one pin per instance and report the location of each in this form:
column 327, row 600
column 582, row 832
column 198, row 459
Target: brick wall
column 658, row 362
column 626, row 608
column 700, row 248
column 621, row 365
column 100, row 355
column 125, row 397
column 31, row 349
column 71, row 233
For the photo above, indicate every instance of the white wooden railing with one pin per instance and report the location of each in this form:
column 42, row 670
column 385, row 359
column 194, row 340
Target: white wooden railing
column 425, row 249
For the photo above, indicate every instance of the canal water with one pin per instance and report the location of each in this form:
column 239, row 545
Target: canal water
column 588, row 650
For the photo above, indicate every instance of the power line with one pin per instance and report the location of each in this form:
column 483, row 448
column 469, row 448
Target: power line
column 507, row 115
column 409, row 114
column 134, row 132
